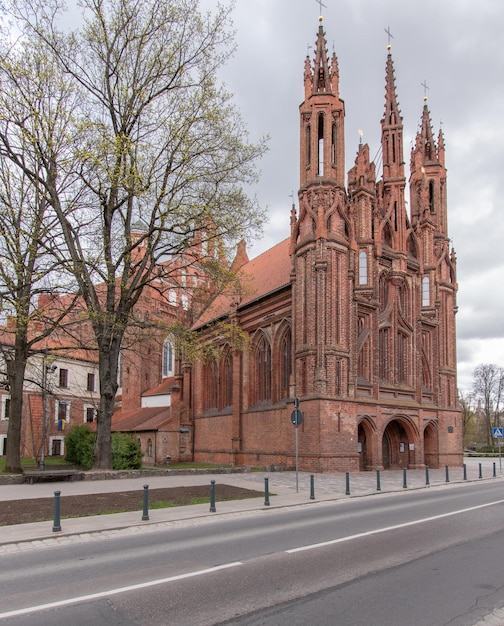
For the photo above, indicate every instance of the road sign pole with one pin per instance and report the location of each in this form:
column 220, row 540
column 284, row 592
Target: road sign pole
column 500, row 458
column 297, row 461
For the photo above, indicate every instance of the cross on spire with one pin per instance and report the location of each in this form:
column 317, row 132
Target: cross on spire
column 424, row 85
column 321, row 4
column 390, row 36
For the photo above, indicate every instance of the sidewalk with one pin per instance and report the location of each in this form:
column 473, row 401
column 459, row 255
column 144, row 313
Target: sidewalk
column 282, row 490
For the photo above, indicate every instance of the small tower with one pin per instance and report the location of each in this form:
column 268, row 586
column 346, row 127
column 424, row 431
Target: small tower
column 322, row 116
column 322, row 234
column 393, row 210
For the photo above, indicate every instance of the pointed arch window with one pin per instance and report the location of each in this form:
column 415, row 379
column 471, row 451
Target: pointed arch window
column 227, row 381
column 286, row 351
column 432, row 206
column 263, row 369
column 321, row 144
column 308, row 145
column 425, row 291
column 333, row 143
column 168, row 358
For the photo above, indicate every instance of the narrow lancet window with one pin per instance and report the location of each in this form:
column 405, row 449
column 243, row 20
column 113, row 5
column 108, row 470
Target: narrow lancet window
column 308, row 145
column 425, row 291
column 321, row 145
column 363, row 279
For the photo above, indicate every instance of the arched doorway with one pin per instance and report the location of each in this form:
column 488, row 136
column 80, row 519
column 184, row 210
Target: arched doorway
column 431, row 454
column 365, row 444
column 395, row 446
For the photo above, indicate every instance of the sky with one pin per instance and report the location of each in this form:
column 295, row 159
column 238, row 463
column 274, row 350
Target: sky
column 456, row 47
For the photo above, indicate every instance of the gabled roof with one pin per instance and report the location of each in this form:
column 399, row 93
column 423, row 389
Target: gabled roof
column 267, row 273
column 151, row 418
column 162, row 389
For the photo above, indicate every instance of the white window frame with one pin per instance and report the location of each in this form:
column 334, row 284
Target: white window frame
column 3, row 439
column 57, row 438
column 56, row 410
column 86, row 407
column 426, row 291
column 4, row 402
column 168, row 358
column 172, row 297
column 363, row 268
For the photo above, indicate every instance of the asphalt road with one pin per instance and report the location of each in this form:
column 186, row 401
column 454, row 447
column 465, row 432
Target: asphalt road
column 430, row 557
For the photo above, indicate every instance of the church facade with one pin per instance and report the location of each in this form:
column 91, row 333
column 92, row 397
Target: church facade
column 352, row 316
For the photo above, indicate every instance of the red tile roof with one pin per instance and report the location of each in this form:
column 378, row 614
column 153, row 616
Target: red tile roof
column 261, row 276
column 150, row 418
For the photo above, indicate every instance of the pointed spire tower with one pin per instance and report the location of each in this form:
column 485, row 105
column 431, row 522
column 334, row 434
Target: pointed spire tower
column 322, row 119
column 322, row 234
column 428, row 177
column 394, row 181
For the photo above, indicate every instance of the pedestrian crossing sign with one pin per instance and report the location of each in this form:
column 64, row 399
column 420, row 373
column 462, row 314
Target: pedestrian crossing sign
column 498, row 432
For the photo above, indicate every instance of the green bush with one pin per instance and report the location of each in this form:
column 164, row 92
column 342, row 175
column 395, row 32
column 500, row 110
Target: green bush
column 79, row 445
column 126, row 452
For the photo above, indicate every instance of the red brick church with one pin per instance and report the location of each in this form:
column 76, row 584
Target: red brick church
column 353, row 314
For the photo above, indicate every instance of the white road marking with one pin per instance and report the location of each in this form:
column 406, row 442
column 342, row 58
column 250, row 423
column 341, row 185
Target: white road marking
column 113, row 592
column 388, row 528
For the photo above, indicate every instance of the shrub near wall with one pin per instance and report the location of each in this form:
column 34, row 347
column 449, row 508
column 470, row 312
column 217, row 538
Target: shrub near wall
column 126, row 452
column 79, row 444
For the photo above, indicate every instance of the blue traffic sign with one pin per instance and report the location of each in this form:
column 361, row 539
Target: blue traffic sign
column 498, row 432
column 297, row 417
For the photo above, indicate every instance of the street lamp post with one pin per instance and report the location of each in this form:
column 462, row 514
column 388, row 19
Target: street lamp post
column 45, row 370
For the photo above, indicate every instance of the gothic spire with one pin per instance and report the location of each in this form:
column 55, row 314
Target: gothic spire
column 392, row 114
column 392, row 126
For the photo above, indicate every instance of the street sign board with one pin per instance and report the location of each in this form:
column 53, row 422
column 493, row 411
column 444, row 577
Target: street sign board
column 498, row 432
column 297, row 417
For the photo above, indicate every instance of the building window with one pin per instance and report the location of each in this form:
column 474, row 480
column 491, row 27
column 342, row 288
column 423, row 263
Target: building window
column 5, row 407
column 263, row 369
column 227, row 381
column 363, row 270
column 168, row 358
column 89, row 414
column 425, row 291
column 149, row 447
column 3, row 445
column 321, row 145
column 56, row 446
column 172, row 297
column 286, row 348
column 90, row 382
column 184, row 301
column 63, row 377
column 62, row 414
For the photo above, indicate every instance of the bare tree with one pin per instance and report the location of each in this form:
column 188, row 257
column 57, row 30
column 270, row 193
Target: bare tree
column 488, row 388
column 161, row 144
column 30, row 235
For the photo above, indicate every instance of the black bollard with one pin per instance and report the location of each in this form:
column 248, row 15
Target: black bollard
column 347, row 483
column 494, row 471
column 212, row 497
column 378, row 482
column 480, row 471
column 312, row 487
column 266, row 492
column 404, row 479
column 447, row 474
column 465, row 471
column 145, row 513
column 57, row 522
column 427, row 481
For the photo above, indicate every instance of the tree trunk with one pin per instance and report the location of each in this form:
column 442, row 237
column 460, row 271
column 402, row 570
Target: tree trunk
column 16, row 373
column 108, row 367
